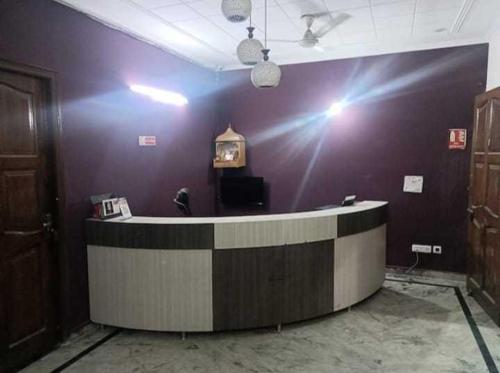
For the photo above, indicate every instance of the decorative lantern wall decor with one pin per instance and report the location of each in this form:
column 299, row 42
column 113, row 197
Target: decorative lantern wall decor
column 229, row 150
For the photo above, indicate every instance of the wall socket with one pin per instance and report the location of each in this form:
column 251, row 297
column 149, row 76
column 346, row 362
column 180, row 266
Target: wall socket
column 426, row 249
column 437, row 249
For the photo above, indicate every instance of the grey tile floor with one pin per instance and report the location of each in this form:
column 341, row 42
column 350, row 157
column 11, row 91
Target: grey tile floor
column 405, row 327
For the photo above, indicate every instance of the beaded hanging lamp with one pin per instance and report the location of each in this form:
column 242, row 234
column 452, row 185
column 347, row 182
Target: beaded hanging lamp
column 265, row 74
column 249, row 51
column 236, row 10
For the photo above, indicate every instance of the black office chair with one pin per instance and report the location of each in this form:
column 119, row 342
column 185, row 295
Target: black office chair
column 182, row 201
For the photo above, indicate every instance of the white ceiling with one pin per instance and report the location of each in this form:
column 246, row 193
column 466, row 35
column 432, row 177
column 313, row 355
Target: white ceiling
column 197, row 30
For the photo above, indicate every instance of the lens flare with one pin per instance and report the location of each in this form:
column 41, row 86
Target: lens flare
column 335, row 109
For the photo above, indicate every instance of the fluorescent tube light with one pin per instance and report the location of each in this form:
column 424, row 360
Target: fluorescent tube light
column 166, row 97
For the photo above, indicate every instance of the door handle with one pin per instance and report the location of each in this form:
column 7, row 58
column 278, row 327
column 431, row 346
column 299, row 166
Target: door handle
column 47, row 223
column 471, row 210
column 490, row 229
column 471, row 214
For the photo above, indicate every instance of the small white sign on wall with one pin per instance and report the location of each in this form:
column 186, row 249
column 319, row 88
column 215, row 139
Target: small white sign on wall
column 147, row 140
column 413, row 184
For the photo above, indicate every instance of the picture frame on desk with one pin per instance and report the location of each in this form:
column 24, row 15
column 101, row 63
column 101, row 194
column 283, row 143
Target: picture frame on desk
column 110, row 208
column 124, row 208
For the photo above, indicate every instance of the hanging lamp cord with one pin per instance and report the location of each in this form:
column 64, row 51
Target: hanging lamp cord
column 250, row 28
column 265, row 24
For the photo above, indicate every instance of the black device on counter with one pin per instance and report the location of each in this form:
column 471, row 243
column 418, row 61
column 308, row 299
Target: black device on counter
column 348, row 201
column 242, row 190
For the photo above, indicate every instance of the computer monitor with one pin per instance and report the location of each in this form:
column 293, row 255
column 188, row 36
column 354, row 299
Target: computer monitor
column 242, row 190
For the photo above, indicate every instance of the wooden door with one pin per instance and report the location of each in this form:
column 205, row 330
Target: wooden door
column 477, row 195
column 248, row 286
column 483, row 272
column 491, row 278
column 27, row 270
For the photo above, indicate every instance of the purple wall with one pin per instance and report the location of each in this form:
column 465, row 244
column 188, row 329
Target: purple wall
column 102, row 120
column 402, row 106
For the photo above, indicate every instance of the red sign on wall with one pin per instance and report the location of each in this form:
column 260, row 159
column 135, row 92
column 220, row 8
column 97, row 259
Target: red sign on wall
column 457, row 138
column 147, row 140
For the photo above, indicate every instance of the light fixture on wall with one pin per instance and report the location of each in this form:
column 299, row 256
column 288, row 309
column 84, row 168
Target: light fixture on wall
column 335, row 108
column 236, row 10
column 249, row 51
column 265, row 74
column 166, row 97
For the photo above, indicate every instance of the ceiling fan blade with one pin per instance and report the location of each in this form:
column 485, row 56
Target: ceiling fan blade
column 283, row 41
column 334, row 22
column 310, row 7
column 320, row 14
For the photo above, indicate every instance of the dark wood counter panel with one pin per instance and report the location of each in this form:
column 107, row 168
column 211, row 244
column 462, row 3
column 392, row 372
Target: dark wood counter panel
column 361, row 221
column 308, row 280
column 247, row 287
column 272, row 285
column 150, row 236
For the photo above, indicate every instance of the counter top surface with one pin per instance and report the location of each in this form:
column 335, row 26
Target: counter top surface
column 357, row 207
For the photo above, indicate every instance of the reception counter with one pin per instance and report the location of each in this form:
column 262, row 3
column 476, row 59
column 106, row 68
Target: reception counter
column 220, row 273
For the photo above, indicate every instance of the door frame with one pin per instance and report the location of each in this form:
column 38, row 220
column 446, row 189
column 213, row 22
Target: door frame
column 49, row 79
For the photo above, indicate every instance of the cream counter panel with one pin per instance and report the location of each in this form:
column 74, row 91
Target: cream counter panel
column 310, row 229
column 359, row 266
column 274, row 233
column 148, row 289
column 248, row 234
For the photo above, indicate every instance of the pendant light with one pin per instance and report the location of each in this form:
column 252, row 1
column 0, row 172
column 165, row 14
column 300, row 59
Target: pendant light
column 265, row 74
column 249, row 51
column 236, row 10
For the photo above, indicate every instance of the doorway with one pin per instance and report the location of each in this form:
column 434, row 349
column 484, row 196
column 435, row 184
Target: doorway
column 29, row 289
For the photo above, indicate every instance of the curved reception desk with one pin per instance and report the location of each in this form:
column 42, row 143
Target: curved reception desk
column 220, row 273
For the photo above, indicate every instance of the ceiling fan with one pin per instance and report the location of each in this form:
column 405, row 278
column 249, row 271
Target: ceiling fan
column 310, row 38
